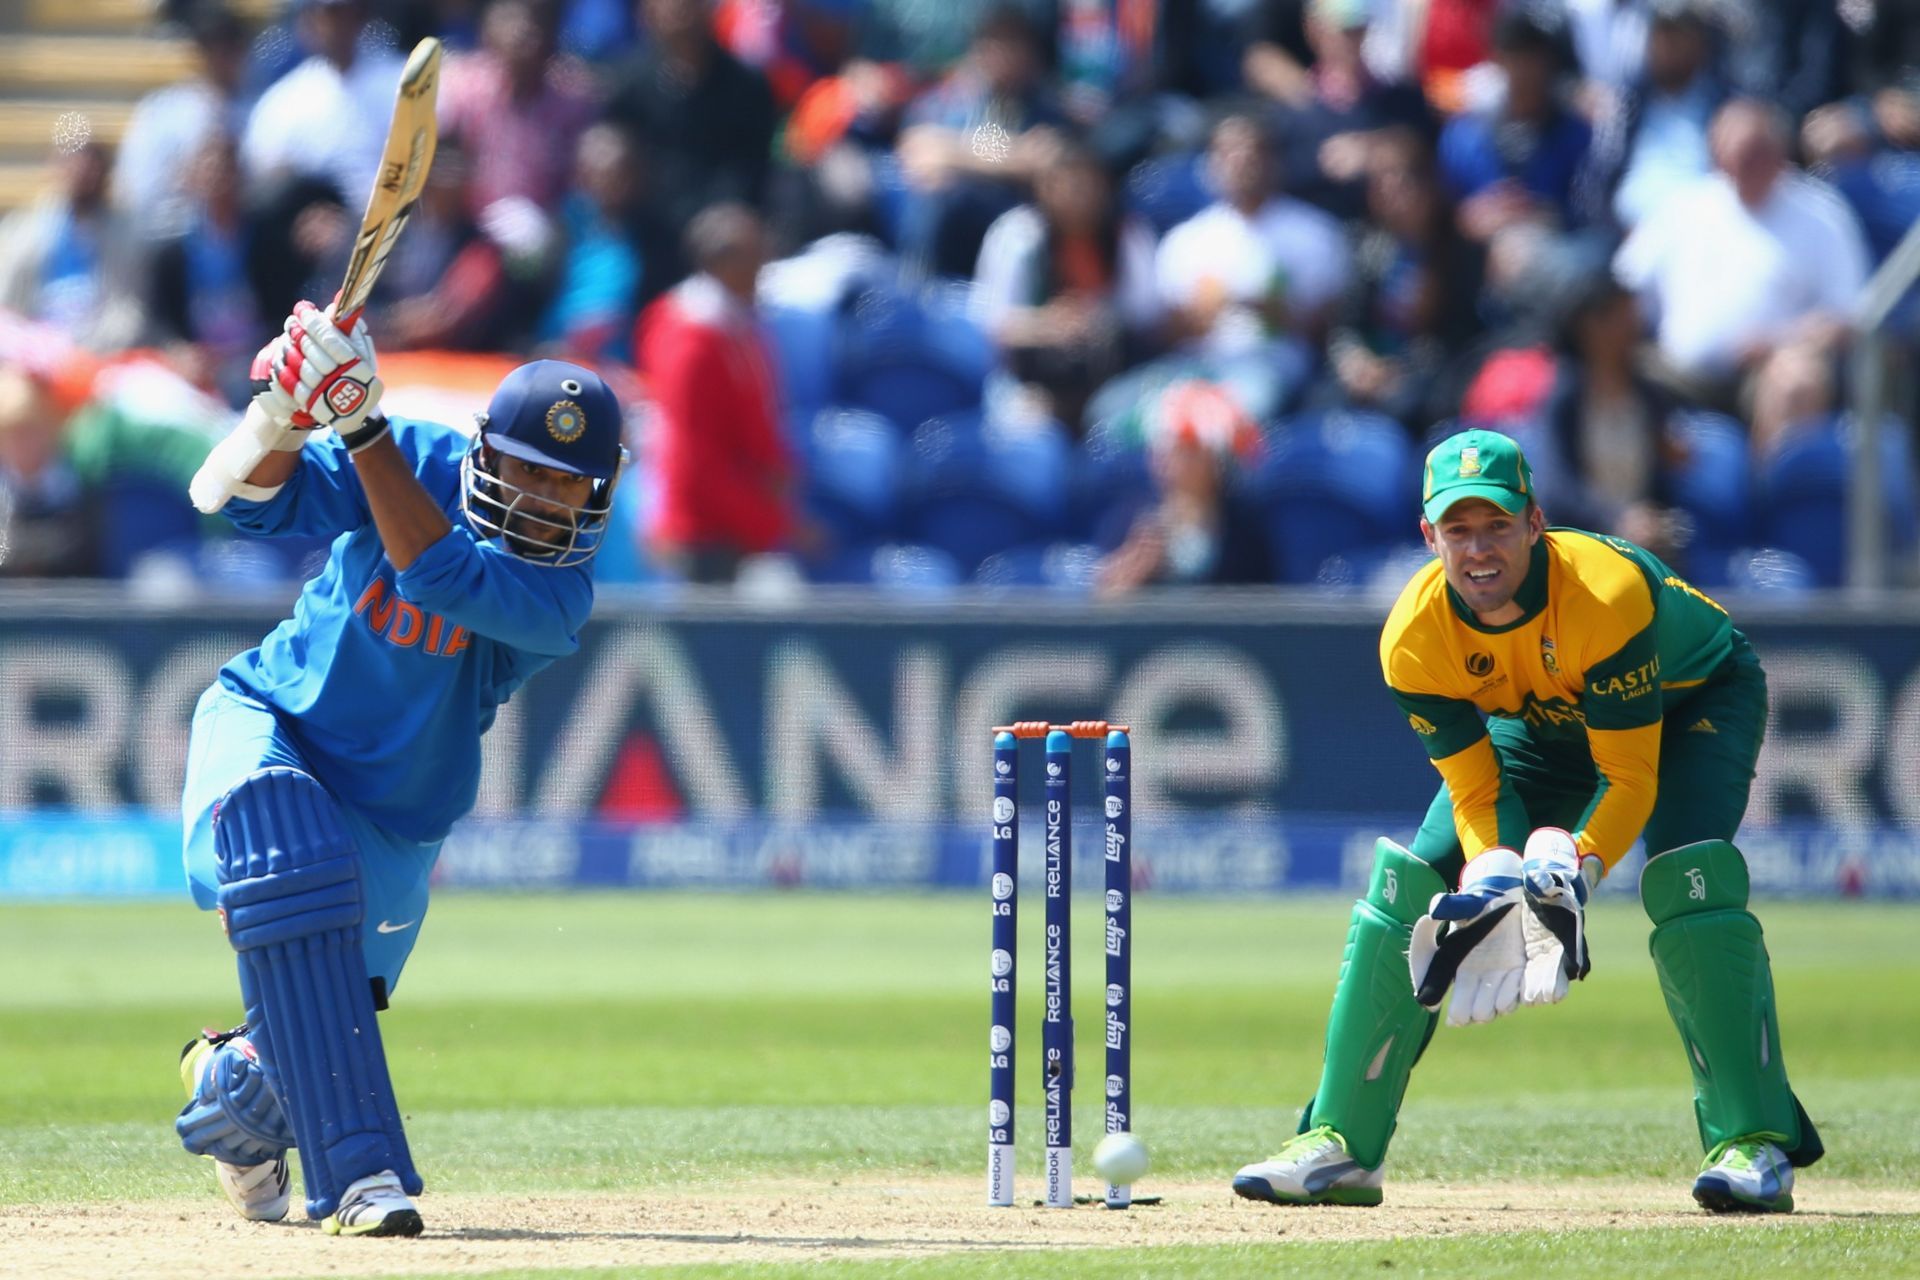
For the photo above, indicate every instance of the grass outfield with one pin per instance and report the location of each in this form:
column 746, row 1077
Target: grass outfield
column 680, row 1044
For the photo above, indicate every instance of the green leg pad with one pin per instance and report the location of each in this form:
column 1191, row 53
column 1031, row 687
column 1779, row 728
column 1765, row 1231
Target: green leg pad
column 1714, row 971
column 1376, row 1030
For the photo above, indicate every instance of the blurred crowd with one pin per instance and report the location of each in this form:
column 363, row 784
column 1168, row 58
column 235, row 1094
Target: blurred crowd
column 1088, row 294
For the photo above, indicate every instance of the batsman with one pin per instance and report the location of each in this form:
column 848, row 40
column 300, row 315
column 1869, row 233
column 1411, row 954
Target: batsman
column 327, row 764
column 1575, row 695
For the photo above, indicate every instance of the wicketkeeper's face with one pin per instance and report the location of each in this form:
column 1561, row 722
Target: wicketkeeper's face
column 1484, row 550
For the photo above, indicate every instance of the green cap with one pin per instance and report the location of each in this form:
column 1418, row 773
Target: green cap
column 1475, row 464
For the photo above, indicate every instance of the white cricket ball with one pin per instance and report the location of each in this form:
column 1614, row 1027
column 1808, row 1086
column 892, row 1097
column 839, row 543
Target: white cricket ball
column 1121, row 1159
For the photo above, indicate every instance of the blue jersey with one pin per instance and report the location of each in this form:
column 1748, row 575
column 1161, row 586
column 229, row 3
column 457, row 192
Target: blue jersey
column 385, row 679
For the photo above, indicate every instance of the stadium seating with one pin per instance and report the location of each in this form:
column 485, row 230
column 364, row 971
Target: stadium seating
column 853, row 474
column 910, row 359
column 972, row 490
column 1713, row 483
column 1336, row 484
column 143, row 515
column 1803, row 494
column 1168, row 190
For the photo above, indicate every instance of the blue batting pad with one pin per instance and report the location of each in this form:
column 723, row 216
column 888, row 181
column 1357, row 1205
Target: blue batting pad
column 290, row 897
column 234, row 1115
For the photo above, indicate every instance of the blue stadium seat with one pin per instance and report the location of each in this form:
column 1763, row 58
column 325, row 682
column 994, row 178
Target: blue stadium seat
column 1713, row 483
column 910, row 361
column 142, row 515
column 973, row 490
column 1066, row 567
column 914, row 570
column 1105, row 475
column 803, row 345
column 1168, row 190
column 1803, row 494
column 1336, row 484
column 1770, row 571
column 853, row 474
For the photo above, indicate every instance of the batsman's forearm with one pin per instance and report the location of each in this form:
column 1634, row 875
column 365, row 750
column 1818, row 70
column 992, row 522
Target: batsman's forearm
column 406, row 517
column 275, row 469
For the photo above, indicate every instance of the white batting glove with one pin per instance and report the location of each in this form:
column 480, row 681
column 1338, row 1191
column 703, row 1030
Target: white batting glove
column 331, row 375
column 275, row 402
column 1472, row 941
column 1557, row 881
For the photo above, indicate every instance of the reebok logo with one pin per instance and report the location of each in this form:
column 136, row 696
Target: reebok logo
column 1702, row 725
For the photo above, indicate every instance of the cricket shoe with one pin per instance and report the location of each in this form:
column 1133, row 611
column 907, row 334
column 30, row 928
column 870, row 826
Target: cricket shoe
column 1745, row 1175
column 374, row 1206
column 261, row 1192
column 1312, row 1168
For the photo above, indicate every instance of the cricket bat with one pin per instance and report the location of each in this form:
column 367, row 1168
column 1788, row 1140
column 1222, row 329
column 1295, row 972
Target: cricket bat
column 411, row 139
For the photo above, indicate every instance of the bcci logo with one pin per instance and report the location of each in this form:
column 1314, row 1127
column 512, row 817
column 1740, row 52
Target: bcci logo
column 1479, row 664
column 566, row 421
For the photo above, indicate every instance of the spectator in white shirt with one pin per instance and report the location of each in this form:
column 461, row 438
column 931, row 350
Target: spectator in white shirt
column 1255, row 265
column 327, row 117
column 1748, row 275
column 172, row 125
column 1065, row 285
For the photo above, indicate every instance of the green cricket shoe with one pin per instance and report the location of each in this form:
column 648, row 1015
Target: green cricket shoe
column 1312, row 1168
column 1746, row 1175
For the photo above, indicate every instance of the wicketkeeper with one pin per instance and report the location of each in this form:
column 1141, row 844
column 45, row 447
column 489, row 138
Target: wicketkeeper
column 327, row 765
column 1575, row 694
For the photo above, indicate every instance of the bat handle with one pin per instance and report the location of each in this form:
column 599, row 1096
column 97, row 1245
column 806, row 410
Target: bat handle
column 301, row 418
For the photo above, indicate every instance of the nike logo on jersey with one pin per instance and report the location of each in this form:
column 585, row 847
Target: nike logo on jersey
column 388, row 926
column 403, row 623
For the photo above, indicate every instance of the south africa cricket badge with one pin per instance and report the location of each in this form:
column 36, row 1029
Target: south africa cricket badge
column 1548, row 658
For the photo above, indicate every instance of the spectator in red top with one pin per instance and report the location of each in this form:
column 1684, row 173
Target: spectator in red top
column 725, row 475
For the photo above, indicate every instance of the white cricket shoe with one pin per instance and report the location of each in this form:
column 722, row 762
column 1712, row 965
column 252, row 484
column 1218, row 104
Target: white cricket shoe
column 1747, row 1175
column 1312, row 1168
column 261, row 1192
column 374, row 1206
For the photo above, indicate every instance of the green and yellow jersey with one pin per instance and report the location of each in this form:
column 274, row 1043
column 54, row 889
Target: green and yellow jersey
column 1608, row 637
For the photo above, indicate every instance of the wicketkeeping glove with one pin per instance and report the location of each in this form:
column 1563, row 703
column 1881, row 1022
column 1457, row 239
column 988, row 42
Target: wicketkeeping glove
column 1557, row 882
column 330, row 374
column 1472, row 940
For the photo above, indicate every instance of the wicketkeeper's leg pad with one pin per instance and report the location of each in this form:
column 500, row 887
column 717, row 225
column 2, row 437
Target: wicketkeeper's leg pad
column 1377, row 1030
column 1714, row 971
column 290, row 898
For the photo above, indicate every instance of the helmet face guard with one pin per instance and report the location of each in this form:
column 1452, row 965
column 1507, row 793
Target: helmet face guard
column 498, row 508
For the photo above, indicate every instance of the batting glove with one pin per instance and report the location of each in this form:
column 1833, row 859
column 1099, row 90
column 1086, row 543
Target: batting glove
column 1472, row 941
column 331, row 375
column 275, row 401
column 1558, row 881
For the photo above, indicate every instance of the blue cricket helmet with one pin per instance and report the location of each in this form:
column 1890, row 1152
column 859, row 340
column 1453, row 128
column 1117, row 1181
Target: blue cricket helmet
column 555, row 415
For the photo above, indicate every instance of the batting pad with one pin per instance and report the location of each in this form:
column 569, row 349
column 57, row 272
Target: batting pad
column 290, row 897
column 1718, row 981
column 1377, row 1030
column 234, row 1115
